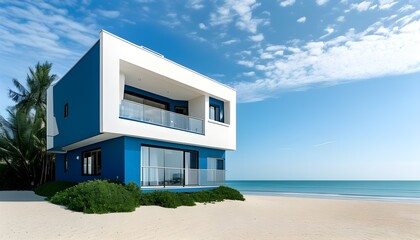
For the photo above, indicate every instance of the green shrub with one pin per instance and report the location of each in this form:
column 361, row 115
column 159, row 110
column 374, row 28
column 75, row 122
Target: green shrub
column 166, row 199
column 174, row 200
column 49, row 189
column 99, row 196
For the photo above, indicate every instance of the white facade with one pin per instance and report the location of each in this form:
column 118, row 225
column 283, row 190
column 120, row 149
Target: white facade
column 125, row 64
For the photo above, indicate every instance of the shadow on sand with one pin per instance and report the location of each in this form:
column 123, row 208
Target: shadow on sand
column 20, row 196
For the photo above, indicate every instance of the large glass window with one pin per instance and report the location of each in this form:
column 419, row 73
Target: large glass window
column 146, row 101
column 168, row 167
column 92, row 163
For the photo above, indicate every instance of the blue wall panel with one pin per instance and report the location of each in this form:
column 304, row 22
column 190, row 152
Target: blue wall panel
column 112, row 162
column 80, row 89
column 121, row 159
column 133, row 153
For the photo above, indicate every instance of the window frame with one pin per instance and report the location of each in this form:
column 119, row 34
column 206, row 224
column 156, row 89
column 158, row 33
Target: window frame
column 95, row 163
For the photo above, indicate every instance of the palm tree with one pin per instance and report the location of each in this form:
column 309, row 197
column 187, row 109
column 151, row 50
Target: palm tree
column 35, row 97
column 31, row 105
column 20, row 141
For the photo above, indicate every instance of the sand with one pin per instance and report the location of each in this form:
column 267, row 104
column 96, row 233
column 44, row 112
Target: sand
column 23, row 215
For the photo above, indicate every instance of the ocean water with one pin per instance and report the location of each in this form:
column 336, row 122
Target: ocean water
column 391, row 191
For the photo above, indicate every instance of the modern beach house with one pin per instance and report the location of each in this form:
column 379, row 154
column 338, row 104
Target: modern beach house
column 126, row 113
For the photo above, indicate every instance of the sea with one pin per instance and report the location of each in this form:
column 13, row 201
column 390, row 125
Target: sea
column 388, row 191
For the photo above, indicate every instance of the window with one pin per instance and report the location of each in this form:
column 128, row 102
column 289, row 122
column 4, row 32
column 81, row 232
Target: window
column 168, row 167
column 216, row 108
column 215, row 113
column 66, row 163
column 92, row 163
column 216, row 163
column 146, row 100
column 66, row 110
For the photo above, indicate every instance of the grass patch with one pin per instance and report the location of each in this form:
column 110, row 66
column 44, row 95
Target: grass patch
column 99, row 196
column 49, row 189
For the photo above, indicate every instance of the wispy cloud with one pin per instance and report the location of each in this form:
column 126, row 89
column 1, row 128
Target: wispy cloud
column 361, row 7
column 202, row 26
column 195, row 4
column 286, row 3
column 257, row 38
column 239, row 12
column 37, row 31
column 329, row 31
column 387, row 47
column 229, row 42
column 301, row 20
column 386, row 4
column 108, row 13
column 321, row 2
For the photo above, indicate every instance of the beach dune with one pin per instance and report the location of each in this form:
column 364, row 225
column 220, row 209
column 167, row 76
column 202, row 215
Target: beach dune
column 26, row 216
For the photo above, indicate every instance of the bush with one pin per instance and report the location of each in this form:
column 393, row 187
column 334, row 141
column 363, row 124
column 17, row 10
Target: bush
column 49, row 189
column 166, row 199
column 174, row 200
column 99, row 196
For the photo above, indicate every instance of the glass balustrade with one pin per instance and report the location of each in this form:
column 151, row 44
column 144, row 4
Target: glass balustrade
column 164, row 176
column 141, row 112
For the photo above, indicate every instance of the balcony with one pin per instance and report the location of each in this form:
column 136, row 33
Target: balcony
column 181, row 177
column 144, row 113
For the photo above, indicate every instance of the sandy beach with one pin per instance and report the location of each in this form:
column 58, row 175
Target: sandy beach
column 25, row 215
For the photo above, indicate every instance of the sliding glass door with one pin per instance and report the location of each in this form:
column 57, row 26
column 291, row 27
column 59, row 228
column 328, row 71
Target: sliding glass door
column 168, row 167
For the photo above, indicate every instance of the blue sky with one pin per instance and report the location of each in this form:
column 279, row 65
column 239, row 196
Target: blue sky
column 326, row 89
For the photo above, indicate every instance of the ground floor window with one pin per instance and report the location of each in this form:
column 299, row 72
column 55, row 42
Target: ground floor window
column 168, row 167
column 92, row 163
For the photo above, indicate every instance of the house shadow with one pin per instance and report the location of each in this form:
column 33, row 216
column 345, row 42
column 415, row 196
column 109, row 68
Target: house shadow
column 20, row 196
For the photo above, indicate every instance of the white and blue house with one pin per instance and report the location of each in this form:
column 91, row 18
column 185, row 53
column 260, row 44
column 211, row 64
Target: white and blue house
column 126, row 113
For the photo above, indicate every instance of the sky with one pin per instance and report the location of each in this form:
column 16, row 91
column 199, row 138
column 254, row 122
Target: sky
column 326, row 89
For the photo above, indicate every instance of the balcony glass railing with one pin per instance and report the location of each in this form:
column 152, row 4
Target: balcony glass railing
column 141, row 112
column 165, row 176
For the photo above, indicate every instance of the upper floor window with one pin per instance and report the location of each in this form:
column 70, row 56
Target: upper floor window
column 66, row 110
column 216, row 110
column 92, row 162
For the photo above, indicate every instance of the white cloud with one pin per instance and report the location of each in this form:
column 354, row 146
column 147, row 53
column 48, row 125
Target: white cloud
column 287, row 3
column 246, row 63
column 382, row 49
column 329, row 31
column 405, row 8
column 275, row 48
column 321, row 2
column 386, row 4
column 341, row 19
column 249, row 74
column 362, row 6
column 229, row 42
column 238, row 11
column 202, row 26
column 301, row 20
column 195, row 4
column 257, row 38
column 108, row 13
